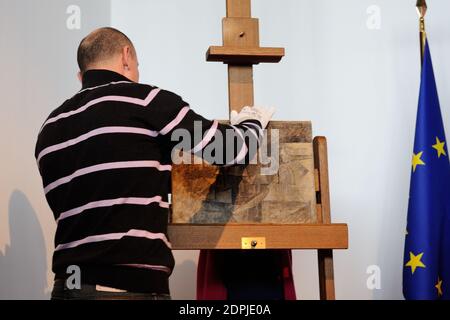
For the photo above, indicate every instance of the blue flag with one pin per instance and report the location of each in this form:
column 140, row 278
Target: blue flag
column 426, row 267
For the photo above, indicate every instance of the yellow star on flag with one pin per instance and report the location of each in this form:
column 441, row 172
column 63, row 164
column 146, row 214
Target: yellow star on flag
column 439, row 146
column 414, row 262
column 417, row 160
column 438, row 286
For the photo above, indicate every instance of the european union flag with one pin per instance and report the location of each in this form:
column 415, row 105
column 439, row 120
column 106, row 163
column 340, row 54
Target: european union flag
column 426, row 273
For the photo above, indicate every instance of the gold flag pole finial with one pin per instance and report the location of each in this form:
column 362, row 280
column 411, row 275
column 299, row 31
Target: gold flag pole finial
column 421, row 6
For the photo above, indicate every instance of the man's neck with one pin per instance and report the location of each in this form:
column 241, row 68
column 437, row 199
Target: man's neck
column 97, row 77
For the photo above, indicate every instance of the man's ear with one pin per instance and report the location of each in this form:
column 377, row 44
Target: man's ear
column 80, row 76
column 126, row 56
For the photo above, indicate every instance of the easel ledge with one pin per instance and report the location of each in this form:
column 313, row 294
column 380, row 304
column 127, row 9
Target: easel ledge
column 277, row 236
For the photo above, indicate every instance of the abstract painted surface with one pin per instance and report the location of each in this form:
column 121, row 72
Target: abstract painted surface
column 206, row 194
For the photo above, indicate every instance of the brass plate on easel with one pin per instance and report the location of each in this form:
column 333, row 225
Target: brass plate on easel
column 253, row 242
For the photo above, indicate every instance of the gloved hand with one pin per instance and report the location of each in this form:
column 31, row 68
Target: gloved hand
column 263, row 115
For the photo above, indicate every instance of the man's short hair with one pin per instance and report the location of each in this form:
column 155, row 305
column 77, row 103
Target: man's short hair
column 100, row 45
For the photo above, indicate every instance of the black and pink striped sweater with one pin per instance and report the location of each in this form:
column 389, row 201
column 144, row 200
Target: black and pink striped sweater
column 105, row 161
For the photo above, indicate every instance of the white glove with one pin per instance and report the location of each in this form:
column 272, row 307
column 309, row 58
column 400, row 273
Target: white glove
column 263, row 115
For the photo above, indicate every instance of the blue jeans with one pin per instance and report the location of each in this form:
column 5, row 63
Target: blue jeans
column 89, row 292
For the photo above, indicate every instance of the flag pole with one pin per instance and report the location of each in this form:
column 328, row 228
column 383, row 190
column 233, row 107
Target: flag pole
column 421, row 6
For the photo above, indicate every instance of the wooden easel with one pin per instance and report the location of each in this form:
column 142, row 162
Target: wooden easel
column 241, row 51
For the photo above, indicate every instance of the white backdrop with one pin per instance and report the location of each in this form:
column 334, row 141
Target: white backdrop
column 352, row 67
column 38, row 72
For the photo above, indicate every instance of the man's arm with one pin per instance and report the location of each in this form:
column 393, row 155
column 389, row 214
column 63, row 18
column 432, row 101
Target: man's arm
column 217, row 143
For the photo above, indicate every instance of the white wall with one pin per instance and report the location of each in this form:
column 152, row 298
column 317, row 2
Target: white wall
column 358, row 86
column 38, row 72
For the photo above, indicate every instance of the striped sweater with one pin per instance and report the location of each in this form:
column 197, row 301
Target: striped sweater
column 105, row 160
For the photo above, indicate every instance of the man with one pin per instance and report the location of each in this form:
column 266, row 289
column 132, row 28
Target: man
column 105, row 160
